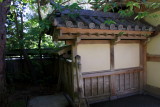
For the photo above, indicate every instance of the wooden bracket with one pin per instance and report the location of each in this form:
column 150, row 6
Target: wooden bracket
column 78, row 39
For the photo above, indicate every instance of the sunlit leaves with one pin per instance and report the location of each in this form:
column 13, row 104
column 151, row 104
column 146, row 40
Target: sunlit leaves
column 109, row 22
column 1, row 1
column 132, row 4
column 141, row 15
column 152, row 5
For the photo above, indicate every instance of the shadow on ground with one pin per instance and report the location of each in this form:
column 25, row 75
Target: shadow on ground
column 133, row 101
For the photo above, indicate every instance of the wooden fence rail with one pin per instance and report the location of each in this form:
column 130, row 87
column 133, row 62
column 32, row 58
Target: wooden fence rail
column 112, row 83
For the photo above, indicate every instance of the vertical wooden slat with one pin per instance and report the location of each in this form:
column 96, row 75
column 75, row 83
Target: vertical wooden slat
column 112, row 85
column 136, row 80
column 106, row 85
column 117, row 83
column 121, row 82
column 131, row 80
column 127, row 85
column 87, row 87
column 100, row 85
column 94, row 86
column 141, row 76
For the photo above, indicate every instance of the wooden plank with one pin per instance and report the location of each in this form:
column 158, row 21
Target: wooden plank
column 117, row 83
column 94, row 42
column 106, row 85
column 94, row 86
column 122, row 83
column 100, row 86
column 100, row 98
column 87, row 87
column 141, row 81
column 102, row 31
column 128, row 41
column 136, row 81
column 153, row 58
column 100, row 37
column 131, row 80
column 115, row 72
column 127, row 83
column 112, row 85
column 65, row 50
column 70, row 74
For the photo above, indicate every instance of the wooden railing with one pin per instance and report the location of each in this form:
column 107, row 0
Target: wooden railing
column 112, row 83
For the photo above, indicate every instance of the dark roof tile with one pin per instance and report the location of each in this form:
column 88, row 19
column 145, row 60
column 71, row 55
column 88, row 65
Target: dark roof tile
column 95, row 20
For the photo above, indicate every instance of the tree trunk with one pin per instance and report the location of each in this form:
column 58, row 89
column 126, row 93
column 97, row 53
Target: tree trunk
column 4, row 7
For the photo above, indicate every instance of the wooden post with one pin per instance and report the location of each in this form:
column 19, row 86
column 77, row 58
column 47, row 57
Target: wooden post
column 74, row 53
column 79, row 76
column 82, row 101
column 143, row 64
column 112, row 77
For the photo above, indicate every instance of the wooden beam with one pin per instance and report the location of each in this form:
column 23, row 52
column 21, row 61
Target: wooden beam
column 109, row 72
column 100, row 37
column 102, row 31
column 94, row 42
column 128, row 41
column 63, row 51
column 153, row 58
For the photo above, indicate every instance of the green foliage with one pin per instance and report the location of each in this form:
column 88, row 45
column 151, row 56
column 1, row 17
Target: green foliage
column 141, row 15
column 1, row 1
column 73, row 6
column 126, row 13
column 153, row 5
column 107, row 7
column 132, row 4
column 32, row 26
column 120, row 34
column 109, row 22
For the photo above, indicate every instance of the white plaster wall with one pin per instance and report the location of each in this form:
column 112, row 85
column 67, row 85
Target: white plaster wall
column 153, row 68
column 153, row 47
column 153, row 74
column 126, row 55
column 94, row 57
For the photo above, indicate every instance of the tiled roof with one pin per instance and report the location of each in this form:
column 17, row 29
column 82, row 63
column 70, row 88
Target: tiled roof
column 88, row 19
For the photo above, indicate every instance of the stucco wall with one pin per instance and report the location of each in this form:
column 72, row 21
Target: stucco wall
column 153, row 47
column 126, row 55
column 94, row 57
